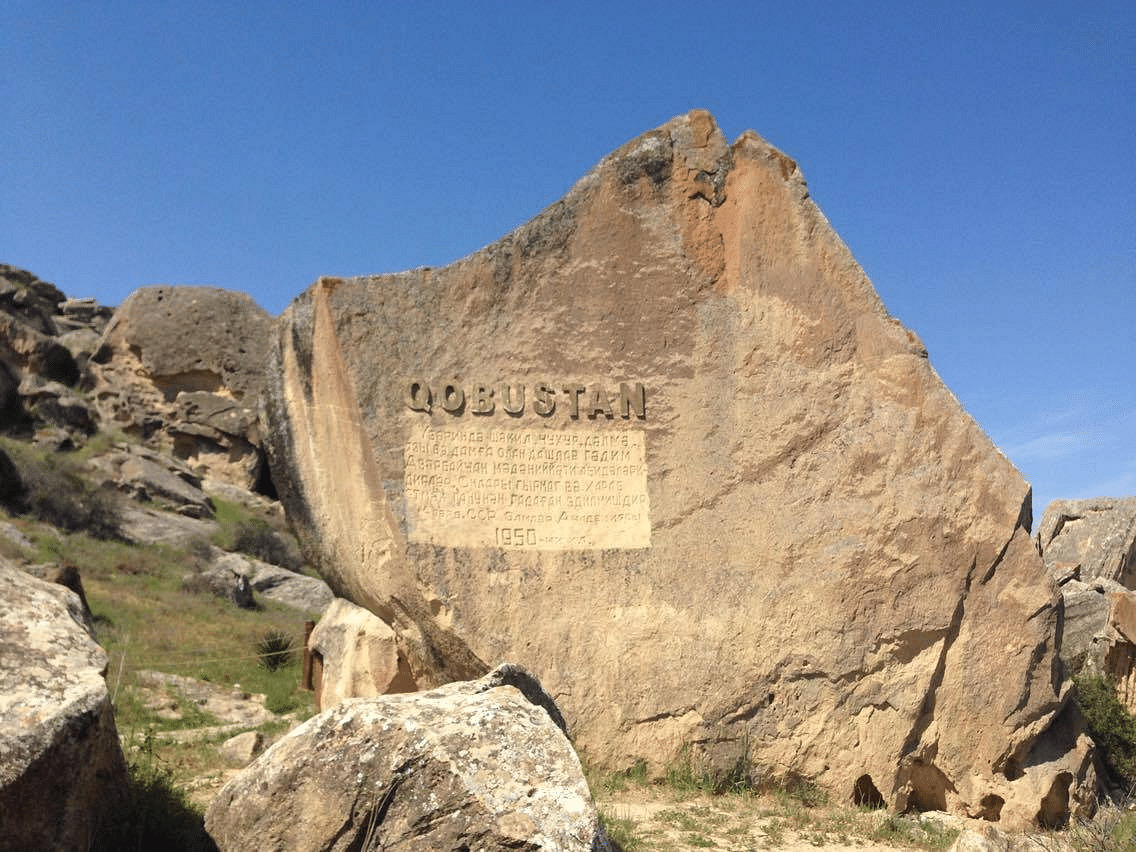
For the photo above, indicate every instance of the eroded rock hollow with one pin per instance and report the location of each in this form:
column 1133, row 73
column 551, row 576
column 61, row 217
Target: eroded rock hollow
column 664, row 446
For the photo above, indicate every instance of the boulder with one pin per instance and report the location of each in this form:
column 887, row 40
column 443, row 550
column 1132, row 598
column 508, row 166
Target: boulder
column 181, row 367
column 477, row 765
column 62, row 772
column 299, row 591
column 665, row 447
column 224, row 577
column 355, row 655
column 148, row 476
column 241, row 749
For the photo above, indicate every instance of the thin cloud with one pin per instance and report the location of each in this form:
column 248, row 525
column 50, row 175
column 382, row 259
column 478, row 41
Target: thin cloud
column 1055, row 445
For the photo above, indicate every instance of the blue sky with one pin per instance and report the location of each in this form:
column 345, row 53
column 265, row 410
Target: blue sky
column 976, row 157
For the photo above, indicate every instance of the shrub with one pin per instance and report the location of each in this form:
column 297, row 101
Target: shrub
column 274, row 650
column 257, row 538
column 55, row 491
column 1110, row 724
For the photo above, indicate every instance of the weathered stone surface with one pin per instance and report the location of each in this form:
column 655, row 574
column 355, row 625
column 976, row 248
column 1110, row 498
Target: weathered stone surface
column 1098, row 535
column 141, row 525
column 355, row 656
column 181, row 367
column 229, row 705
column 804, row 551
column 472, row 765
column 150, row 476
column 224, row 577
column 61, row 767
column 242, row 748
column 57, row 404
column 1089, row 548
column 307, row 594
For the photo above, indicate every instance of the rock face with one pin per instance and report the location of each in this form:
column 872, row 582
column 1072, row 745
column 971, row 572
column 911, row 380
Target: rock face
column 61, row 767
column 1089, row 547
column 665, row 447
column 477, row 765
column 180, row 367
column 1097, row 538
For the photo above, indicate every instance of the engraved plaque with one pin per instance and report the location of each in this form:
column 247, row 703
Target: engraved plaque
column 536, row 489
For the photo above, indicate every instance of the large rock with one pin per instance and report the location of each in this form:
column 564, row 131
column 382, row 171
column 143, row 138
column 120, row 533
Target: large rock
column 665, row 447
column 355, row 655
column 62, row 772
column 1089, row 548
column 181, row 367
column 477, row 765
column 1096, row 537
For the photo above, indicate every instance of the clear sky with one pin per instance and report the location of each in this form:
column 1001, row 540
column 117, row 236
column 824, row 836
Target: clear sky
column 978, row 159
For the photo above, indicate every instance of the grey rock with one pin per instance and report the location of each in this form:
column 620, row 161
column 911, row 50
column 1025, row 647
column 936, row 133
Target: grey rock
column 224, row 577
column 62, row 772
column 181, row 368
column 475, row 765
column 59, row 405
column 299, row 591
column 1099, row 535
column 150, row 476
column 143, row 525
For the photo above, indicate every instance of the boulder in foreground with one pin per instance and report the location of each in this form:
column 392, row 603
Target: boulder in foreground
column 480, row 765
column 62, row 773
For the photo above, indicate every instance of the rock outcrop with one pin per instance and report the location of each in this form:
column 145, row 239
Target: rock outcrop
column 665, row 447
column 1089, row 548
column 62, row 772
column 480, row 765
column 180, row 368
column 1095, row 538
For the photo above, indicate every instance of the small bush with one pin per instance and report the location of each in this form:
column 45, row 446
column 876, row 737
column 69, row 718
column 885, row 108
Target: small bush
column 55, row 491
column 1110, row 724
column 274, row 650
column 257, row 538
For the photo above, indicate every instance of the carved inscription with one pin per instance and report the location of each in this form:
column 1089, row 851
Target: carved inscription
column 594, row 402
column 536, row 489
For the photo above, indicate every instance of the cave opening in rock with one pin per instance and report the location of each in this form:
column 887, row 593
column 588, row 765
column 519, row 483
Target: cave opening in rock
column 865, row 794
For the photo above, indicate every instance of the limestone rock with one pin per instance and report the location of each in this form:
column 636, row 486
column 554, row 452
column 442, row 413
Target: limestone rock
column 355, row 655
column 1094, row 541
column 229, row 705
column 242, row 748
column 61, row 767
column 143, row 525
column 299, row 591
column 60, row 406
column 1097, row 535
column 147, row 476
column 471, row 765
column 181, row 368
column 224, row 577
column 665, row 447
